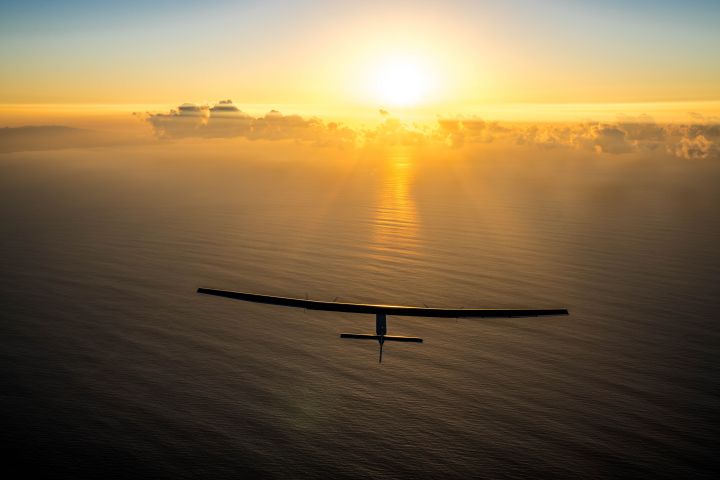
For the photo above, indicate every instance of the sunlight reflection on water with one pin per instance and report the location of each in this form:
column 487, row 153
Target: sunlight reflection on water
column 396, row 222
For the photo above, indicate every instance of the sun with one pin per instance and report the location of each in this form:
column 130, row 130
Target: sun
column 402, row 82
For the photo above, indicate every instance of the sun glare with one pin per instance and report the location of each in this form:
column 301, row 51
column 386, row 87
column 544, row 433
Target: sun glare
column 402, row 83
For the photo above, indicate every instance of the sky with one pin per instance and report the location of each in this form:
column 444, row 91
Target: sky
column 441, row 56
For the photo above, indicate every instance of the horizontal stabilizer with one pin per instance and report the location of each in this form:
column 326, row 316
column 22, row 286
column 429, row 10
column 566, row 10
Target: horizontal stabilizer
column 391, row 338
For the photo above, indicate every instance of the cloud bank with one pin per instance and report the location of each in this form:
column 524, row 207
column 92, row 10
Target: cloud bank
column 697, row 140
column 225, row 120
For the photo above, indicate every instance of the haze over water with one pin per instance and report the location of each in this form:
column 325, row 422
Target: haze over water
column 112, row 365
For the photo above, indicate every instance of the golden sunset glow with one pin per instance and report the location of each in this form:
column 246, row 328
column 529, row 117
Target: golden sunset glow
column 360, row 239
column 461, row 60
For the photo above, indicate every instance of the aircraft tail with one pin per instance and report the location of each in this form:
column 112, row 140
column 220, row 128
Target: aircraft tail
column 381, row 339
column 387, row 338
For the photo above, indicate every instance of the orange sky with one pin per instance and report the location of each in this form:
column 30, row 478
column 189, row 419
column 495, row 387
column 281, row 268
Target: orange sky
column 554, row 60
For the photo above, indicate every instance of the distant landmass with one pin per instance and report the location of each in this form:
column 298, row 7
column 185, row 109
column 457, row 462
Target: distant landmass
column 50, row 137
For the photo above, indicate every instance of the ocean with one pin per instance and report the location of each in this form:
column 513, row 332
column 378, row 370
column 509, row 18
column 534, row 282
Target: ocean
column 112, row 366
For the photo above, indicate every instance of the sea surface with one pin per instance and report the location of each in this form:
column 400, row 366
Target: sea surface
column 111, row 366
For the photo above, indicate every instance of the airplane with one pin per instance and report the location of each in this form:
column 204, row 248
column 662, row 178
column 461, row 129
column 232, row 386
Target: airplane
column 382, row 311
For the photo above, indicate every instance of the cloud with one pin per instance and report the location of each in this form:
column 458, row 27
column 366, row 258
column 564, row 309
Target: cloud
column 704, row 119
column 612, row 140
column 456, row 132
column 190, row 110
column 392, row 131
column 641, row 128
column 697, row 147
column 225, row 120
column 629, row 134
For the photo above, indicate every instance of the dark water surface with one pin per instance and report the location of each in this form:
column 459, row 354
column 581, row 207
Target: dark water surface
column 111, row 365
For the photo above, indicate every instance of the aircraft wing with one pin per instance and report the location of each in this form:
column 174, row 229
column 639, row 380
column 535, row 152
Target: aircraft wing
column 384, row 309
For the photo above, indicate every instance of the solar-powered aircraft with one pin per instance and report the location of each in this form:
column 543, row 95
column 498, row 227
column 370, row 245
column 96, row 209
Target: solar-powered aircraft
column 382, row 311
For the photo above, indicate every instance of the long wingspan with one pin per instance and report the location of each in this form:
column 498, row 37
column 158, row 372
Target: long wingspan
column 383, row 309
